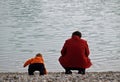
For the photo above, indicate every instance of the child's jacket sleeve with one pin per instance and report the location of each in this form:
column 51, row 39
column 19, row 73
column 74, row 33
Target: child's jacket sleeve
column 28, row 62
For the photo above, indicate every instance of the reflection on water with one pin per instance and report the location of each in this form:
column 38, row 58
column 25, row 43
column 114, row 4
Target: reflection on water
column 31, row 26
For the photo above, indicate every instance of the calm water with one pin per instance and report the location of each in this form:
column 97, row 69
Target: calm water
column 31, row 26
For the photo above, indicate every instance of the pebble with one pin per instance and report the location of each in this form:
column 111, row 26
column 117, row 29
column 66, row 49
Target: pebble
column 61, row 77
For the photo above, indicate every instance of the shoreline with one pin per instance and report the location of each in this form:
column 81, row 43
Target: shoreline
column 60, row 77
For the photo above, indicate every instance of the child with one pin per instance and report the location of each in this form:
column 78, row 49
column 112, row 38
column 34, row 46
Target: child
column 36, row 64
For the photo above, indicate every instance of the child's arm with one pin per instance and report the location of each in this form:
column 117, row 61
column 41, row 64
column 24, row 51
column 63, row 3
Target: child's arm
column 27, row 62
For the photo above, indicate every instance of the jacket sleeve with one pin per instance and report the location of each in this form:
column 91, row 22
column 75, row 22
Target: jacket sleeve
column 27, row 62
column 63, row 51
column 87, row 51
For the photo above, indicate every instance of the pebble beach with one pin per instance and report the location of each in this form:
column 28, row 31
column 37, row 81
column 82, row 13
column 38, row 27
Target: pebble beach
column 60, row 77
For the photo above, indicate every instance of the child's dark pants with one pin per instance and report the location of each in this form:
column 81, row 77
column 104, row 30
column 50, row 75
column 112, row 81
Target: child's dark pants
column 36, row 67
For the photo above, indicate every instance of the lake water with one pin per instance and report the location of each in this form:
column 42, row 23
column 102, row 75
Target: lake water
column 31, row 26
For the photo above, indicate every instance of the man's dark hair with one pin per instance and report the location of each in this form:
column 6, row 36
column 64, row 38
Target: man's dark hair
column 77, row 33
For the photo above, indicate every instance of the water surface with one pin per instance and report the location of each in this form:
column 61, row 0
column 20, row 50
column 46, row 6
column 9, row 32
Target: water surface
column 31, row 26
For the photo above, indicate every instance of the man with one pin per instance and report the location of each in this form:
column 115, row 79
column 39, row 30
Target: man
column 74, row 54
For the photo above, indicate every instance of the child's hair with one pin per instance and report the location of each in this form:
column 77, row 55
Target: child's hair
column 39, row 54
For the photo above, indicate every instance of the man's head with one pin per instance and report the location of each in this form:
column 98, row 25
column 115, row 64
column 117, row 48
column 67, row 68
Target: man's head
column 77, row 33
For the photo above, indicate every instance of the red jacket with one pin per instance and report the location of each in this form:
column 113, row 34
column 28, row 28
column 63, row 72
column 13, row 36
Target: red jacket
column 75, row 53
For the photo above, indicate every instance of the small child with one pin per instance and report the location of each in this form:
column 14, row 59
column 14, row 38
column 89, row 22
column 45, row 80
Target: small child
column 36, row 64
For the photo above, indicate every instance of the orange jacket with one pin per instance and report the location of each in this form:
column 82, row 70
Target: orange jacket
column 34, row 60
